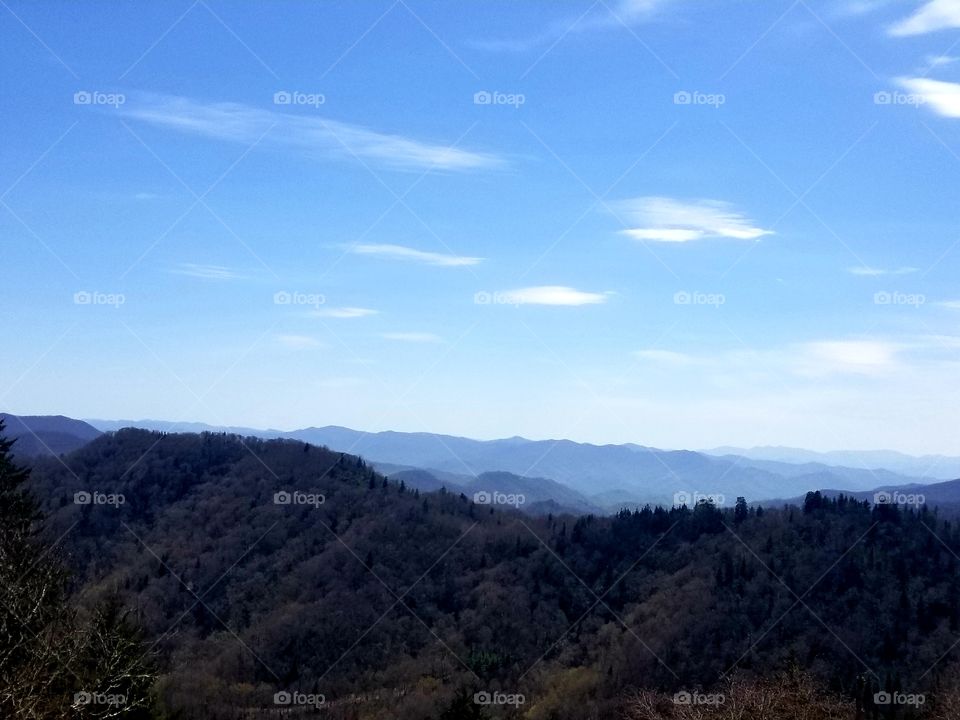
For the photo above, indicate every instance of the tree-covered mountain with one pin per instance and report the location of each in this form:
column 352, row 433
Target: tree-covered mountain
column 259, row 567
column 944, row 495
column 47, row 434
column 608, row 476
column 538, row 496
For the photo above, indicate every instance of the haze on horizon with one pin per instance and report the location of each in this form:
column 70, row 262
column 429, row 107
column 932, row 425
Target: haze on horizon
column 678, row 224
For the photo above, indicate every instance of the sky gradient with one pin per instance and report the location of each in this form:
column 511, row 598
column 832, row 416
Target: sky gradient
column 677, row 223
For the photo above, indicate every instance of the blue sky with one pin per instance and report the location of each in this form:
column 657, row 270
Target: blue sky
column 670, row 222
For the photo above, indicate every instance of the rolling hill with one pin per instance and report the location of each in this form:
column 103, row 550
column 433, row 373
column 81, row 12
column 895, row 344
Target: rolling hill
column 47, row 434
column 944, row 495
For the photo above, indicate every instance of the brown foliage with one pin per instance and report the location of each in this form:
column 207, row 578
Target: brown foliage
column 789, row 696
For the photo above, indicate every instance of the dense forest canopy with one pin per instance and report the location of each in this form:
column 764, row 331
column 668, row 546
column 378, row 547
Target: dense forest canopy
column 272, row 577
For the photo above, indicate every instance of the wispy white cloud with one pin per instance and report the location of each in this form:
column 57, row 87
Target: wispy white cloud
column 145, row 196
column 400, row 252
column 304, row 133
column 666, row 357
column 345, row 312
column 866, row 357
column 814, row 359
column 935, row 61
column 600, row 16
column 943, row 97
column 297, row 342
column 932, row 16
column 662, row 219
column 868, row 271
column 952, row 304
column 860, row 7
column 624, row 12
column 207, row 272
column 412, row 337
column 550, row 295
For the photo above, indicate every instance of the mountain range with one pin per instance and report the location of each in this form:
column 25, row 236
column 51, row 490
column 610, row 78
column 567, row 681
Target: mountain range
column 583, row 477
column 940, row 467
column 555, row 476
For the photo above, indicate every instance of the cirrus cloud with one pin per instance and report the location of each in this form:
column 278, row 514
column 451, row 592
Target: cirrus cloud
column 869, row 271
column 932, row 16
column 663, row 219
column 345, row 312
column 551, row 295
column 412, row 337
column 207, row 272
column 863, row 357
column 309, row 134
column 401, row 252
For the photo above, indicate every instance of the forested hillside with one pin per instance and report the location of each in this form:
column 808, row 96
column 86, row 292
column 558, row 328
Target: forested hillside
column 260, row 567
column 47, row 434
